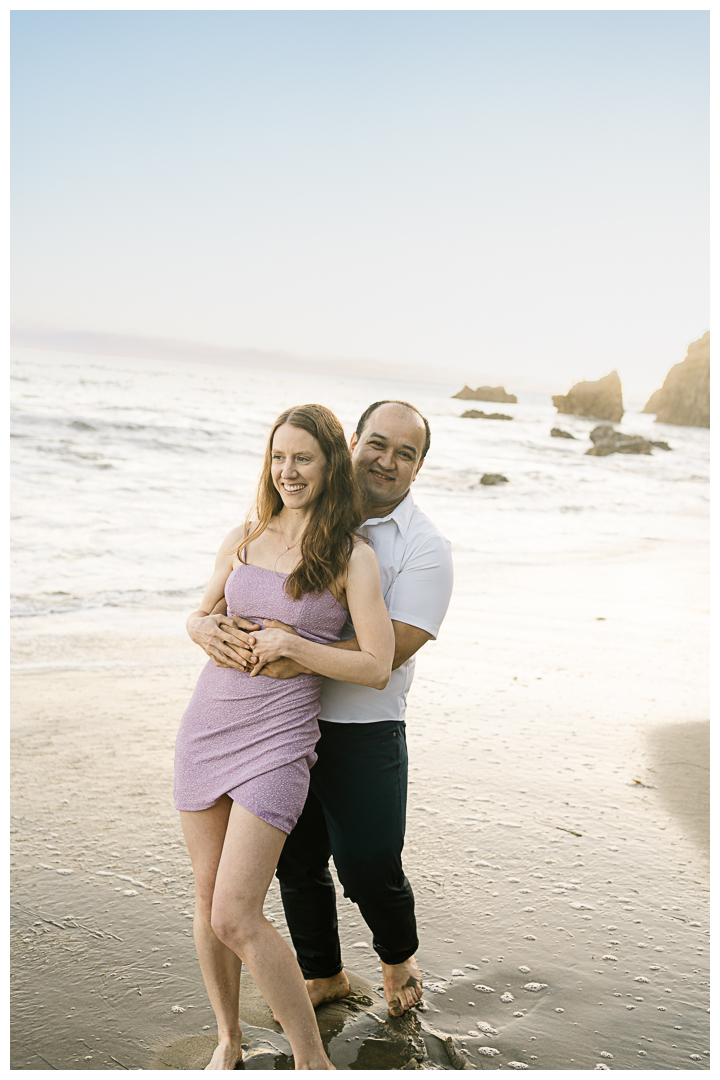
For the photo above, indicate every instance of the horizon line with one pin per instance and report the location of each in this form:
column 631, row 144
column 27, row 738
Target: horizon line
column 151, row 347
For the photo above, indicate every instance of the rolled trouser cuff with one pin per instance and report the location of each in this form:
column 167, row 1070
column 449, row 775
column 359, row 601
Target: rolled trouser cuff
column 310, row 974
column 398, row 956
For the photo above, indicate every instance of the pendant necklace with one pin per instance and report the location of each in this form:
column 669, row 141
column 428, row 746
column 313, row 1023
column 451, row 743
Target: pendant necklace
column 288, row 547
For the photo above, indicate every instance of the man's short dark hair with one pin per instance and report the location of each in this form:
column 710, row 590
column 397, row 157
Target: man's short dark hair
column 376, row 405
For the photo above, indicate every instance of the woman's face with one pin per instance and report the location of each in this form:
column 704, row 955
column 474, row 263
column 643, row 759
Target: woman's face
column 298, row 467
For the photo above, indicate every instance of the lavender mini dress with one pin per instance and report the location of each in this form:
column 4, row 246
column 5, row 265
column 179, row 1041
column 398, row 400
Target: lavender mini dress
column 253, row 738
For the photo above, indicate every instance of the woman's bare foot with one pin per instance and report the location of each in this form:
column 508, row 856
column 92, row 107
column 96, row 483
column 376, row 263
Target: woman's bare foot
column 403, row 985
column 323, row 990
column 227, row 1053
column 319, row 1064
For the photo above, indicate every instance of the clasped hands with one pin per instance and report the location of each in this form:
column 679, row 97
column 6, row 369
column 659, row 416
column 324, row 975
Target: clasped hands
column 231, row 641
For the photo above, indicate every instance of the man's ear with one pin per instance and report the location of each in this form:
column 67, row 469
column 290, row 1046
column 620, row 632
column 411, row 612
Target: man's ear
column 353, row 441
column 422, row 461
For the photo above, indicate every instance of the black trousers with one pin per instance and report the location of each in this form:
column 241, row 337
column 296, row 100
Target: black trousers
column 355, row 811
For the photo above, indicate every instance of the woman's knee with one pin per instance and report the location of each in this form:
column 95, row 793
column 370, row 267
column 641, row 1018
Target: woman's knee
column 234, row 925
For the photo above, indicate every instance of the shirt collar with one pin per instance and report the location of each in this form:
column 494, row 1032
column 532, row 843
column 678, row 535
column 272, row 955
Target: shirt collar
column 400, row 515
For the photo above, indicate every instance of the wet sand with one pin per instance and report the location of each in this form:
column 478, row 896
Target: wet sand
column 557, row 836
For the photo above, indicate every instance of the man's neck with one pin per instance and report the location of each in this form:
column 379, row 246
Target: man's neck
column 372, row 510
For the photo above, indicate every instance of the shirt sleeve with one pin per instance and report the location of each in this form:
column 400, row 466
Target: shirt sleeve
column 420, row 594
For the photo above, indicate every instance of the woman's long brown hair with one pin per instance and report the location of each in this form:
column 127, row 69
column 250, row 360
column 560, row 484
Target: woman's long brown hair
column 327, row 541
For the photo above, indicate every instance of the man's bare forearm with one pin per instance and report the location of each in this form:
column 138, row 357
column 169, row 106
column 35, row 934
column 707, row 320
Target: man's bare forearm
column 351, row 644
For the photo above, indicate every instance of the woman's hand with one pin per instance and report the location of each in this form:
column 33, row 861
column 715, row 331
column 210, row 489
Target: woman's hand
column 270, row 644
column 284, row 667
column 224, row 638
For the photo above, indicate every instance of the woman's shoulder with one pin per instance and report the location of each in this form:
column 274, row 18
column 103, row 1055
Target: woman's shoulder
column 236, row 536
column 362, row 554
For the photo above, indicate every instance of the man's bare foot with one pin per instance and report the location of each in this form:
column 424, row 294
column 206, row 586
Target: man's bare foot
column 323, row 990
column 402, row 984
column 227, row 1053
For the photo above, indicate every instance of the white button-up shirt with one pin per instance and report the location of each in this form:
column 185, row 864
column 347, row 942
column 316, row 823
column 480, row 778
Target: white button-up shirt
column 417, row 576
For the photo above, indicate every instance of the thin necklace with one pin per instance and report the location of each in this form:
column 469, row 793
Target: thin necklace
column 288, row 547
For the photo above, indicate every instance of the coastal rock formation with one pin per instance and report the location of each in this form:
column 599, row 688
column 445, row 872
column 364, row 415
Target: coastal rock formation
column 476, row 414
column 486, row 393
column 601, row 399
column 606, row 440
column 653, row 402
column 493, row 478
column 558, row 433
column 684, row 397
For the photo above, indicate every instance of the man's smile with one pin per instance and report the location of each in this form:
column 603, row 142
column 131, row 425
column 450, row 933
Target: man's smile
column 383, row 477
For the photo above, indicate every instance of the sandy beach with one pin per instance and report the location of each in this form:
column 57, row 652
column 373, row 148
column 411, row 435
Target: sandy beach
column 557, row 837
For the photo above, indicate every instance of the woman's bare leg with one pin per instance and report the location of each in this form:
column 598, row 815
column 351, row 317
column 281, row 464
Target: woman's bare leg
column 250, row 853
column 205, row 834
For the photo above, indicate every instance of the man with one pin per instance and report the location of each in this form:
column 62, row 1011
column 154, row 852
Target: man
column 356, row 806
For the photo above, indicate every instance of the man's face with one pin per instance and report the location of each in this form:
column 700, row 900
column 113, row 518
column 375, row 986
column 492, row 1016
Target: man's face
column 387, row 455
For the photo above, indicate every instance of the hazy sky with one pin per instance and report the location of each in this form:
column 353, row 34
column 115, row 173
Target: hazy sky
column 514, row 192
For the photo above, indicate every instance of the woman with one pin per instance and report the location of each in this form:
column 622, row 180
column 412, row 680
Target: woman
column 246, row 742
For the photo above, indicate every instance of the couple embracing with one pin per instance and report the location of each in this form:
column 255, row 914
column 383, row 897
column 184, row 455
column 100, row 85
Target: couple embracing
column 292, row 748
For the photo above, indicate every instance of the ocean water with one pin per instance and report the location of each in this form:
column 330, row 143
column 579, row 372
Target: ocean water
column 127, row 474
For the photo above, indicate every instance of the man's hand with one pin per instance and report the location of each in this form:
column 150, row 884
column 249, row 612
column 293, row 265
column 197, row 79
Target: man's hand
column 227, row 641
column 284, row 668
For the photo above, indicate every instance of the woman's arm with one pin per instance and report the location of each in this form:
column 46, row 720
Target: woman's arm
column 224, row 642
column 371, row 665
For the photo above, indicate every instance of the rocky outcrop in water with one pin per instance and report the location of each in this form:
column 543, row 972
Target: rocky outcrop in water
column 476, row 414
column 558, row 433
column 601, row 399
column 486, row 393
column 490, row 478
column 684, row 397
column 606, row 440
